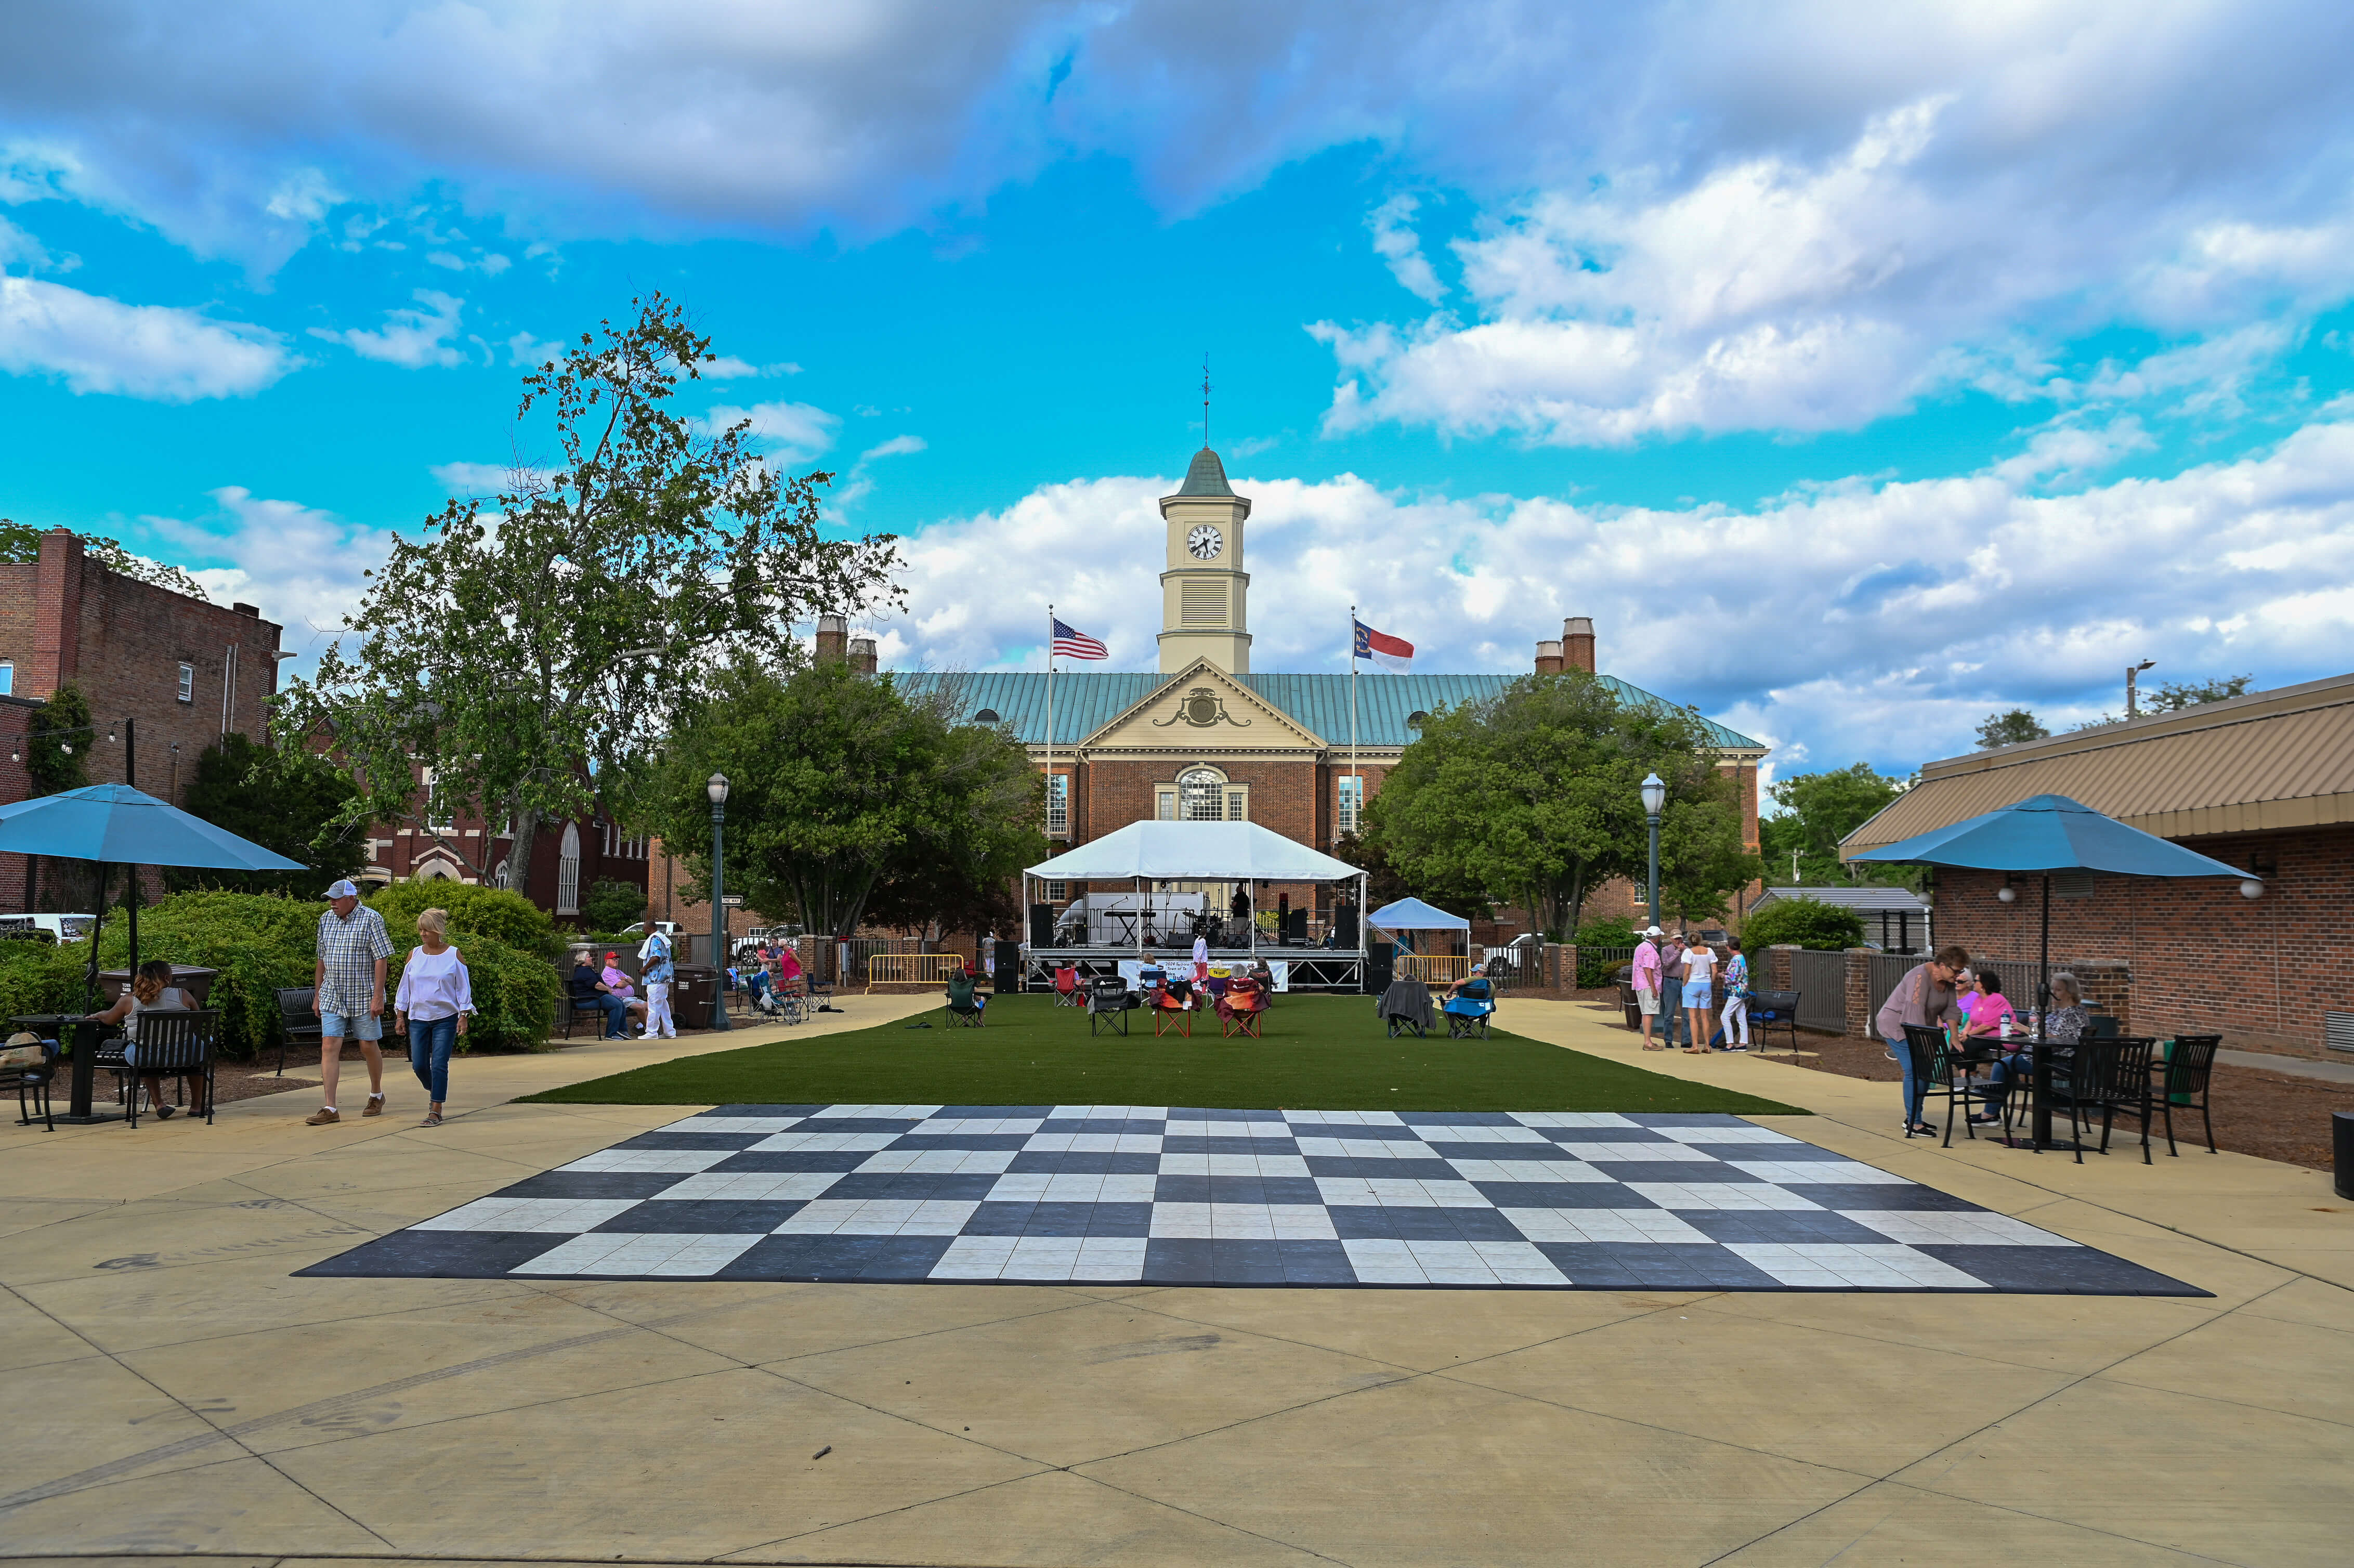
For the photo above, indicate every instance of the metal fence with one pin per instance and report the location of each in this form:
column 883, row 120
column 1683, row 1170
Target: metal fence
column 1598, row 966
column 1885, row 969
column 1820, row 980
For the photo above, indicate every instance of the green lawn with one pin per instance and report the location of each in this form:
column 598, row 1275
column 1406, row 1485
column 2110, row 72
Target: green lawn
column 1321, row 1053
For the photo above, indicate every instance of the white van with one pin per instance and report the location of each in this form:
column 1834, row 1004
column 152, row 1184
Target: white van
column 61, row 928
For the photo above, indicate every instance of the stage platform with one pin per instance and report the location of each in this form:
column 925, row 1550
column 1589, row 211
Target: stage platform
column 1302, row 968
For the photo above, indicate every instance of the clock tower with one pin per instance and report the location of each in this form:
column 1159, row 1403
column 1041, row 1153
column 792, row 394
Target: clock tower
column 1203, row 592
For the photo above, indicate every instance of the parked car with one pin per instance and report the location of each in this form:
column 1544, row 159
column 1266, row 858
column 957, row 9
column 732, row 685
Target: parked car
column 670, row 928
column 57, row 927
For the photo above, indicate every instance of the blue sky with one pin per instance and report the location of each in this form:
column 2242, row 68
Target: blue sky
column 1857, row 375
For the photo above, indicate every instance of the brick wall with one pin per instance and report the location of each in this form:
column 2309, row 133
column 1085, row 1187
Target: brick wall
column 2200, row 957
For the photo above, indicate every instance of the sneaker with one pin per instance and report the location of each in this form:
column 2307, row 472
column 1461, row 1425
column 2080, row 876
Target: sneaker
column 374, row 1106
column 323, row 1116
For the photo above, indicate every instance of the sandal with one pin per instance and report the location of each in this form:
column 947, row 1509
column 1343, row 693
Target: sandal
column 432, row 1119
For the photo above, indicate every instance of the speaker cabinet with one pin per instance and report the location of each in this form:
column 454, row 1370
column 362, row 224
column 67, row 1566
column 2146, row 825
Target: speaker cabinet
column 1042, row 925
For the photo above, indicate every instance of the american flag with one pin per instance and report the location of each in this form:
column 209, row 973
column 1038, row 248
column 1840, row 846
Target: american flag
column 1072, row 645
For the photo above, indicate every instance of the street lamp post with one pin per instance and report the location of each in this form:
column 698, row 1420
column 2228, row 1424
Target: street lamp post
column 718, row 789
column 2133, row 679
column 1655, row 795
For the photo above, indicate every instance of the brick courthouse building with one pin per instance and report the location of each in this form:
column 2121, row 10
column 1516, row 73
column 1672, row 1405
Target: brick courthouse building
column 2264, row 781
column 1207, row 739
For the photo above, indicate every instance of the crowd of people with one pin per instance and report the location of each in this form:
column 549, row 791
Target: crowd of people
column 1677, row 981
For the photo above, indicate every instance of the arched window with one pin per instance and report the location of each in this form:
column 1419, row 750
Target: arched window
column 499, row 877
column 987, row 716
column 567, row 872
column 1415, row 720
column 1201, row 795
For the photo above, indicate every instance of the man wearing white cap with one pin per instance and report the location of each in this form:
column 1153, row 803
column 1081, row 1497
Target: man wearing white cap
column 1647, row 983
column 353, row 949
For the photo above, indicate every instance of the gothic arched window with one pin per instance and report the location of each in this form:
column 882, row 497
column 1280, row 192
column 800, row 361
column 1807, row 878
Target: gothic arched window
column 567, row 872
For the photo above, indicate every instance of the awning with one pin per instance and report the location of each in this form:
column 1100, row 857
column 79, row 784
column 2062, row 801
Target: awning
column 1413, row 915
column 1195, row 851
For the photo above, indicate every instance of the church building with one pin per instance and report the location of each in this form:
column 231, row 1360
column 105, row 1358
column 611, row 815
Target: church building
column 1205, row 737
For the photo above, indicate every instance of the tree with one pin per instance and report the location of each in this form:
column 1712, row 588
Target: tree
column 1802, row 923
column 58, row 739
column 22, row 542
column 850, row 803
column 2176, row 695
column 2009, row 729
column 285, row 800
column 609, row 905
column 1534, row 796
column 532, row 658
column 1819, row 809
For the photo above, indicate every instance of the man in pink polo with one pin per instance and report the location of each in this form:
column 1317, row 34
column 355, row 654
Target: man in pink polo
column 1646, row 982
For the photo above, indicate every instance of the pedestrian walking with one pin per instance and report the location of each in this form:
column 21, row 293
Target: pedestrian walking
column 347, row 994
column 654, row 968
column 1700, row 978
column 1733, row 1021
column 1647, row 983
column 1925, row 996
column 436, row 993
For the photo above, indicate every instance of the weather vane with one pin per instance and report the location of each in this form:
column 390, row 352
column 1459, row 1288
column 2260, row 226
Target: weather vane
column 1205, row 398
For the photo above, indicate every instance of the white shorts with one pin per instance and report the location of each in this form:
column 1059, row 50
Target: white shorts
column 1649, row 1001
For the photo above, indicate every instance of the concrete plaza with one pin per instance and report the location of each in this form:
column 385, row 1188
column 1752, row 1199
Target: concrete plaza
column 169, row 1388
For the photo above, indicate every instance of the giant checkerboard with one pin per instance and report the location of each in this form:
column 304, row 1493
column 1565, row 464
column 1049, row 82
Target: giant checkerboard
column 1560, row 1200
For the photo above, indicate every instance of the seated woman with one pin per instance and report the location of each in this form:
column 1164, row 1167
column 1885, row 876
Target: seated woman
column 2062, row 1028
column 152, row 990
column 1472, row 996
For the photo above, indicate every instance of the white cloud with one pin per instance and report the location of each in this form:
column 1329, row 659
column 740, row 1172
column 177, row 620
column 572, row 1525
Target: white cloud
column 898, row 446
column 411, row 337
column 527, row 350
column 158, row 352
column 1857, row 620
column 1396, row 243
column 793, row 432
column 301, row 567
column 466, row 480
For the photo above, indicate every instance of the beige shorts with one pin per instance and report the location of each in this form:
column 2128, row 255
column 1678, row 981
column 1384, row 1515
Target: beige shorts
column 1649, row 1001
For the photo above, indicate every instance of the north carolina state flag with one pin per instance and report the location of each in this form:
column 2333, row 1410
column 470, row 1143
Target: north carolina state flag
column 1392, row 653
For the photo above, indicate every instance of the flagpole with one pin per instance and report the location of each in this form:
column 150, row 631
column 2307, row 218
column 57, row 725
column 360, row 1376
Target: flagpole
column 1050, row 721
column 1353, row 710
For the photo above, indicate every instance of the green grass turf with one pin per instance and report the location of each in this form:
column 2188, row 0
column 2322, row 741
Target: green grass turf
column 1321, row 1053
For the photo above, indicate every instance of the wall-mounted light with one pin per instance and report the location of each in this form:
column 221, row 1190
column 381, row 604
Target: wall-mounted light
column 2007, row 893
column 2251, row 888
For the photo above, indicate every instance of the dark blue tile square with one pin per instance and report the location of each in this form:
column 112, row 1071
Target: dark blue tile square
column 913, row 1186
column 593, row 1184
column 1433, row 1225
column 1602, row 1135
column 999, row 1142
column 1897, row 1195
column 1266, row 1190
column 905, row 1257
column 706, row 1217
column 1246, row 1263
column 1351, row 1223
column 1779, row 1153
column 1085, row 1163
column 808, row 1257
column 1478, row 1225
column 674, row 1138
column 1561, row 1195
column 991, row 1113
column 1058, row 1220
column 1181, row 1190
column 1100, row 1124
column 999, row 1220
column 1592, row 1265
column 1120, row 1219
column 898, row 1124
column 1315, row 1262
column 1175, row 1144
column 1779, row 1225
column 2058, row 1271
column 782, row 1159
column 1177, row 1260
column 435, row 1254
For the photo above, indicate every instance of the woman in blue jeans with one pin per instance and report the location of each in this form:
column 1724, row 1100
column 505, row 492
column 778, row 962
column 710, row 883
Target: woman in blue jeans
column 1925, row 996
column 436, row 993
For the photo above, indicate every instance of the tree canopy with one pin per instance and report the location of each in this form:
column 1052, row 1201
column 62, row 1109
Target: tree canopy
column 2011, row 728
column 849, row 803
column 1533, row 796
column 22, row 542
column 1819, row 809
column 283, row 799
column 532, row 656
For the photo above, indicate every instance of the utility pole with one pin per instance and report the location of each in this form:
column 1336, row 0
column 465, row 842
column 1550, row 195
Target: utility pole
column 2133, row 678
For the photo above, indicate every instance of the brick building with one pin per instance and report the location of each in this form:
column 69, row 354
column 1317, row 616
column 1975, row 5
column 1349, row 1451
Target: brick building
column 567, row 859
column 2264, row 781
column 188, row 671
column 1205, row 738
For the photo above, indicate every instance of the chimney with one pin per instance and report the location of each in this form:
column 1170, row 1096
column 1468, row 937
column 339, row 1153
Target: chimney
column 1578, row 644
column 862, row 655
column 252, row 610
column 1548, row 658
column 57, row 616
column 832, row 639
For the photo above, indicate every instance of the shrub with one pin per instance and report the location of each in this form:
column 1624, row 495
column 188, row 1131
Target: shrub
column 1595, row 969
column 613, row 905
column 42, row 977
column 258, row 942
column 1802, row 923
column 507, row 919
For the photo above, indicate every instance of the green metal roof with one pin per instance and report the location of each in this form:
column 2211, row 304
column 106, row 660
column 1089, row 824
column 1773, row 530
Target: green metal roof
column 1207, row 476
column 1086, row 701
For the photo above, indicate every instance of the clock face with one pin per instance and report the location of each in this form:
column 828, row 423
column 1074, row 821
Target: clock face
column 1203, row 542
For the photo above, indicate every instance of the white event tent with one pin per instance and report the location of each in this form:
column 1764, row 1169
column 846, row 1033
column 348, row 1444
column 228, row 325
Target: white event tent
column 1144, row 854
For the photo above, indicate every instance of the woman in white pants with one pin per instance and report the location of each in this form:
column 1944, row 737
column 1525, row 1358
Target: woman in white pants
column 1733, row 1021
column 654, row 953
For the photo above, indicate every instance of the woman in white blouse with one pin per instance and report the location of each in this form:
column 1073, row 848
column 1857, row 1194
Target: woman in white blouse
column 436, row 994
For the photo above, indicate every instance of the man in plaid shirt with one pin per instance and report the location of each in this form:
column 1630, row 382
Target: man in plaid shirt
column 354, row 950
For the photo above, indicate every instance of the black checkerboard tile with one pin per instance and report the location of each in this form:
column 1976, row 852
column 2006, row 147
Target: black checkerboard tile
column 1560, row 1200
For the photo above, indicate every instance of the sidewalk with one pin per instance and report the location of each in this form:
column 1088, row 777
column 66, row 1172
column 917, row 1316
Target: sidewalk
column 170, row 1388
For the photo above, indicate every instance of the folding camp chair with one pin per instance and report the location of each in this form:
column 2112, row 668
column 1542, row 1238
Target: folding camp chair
column 1171, row 1011
column 964, row 1010
column 1067, row 986
column 1242, row 1009
column 1468, row 1009
column 1107, row 1004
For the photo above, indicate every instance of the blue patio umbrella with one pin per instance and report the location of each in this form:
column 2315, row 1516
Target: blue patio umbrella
column 2042, row 834
column 114, row 824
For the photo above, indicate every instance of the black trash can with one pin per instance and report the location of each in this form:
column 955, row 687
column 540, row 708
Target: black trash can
column 693, row 990
column 2341, row 1128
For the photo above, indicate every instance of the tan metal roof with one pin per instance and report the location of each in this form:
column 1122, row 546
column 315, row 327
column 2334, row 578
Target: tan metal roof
column 2268, row 761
